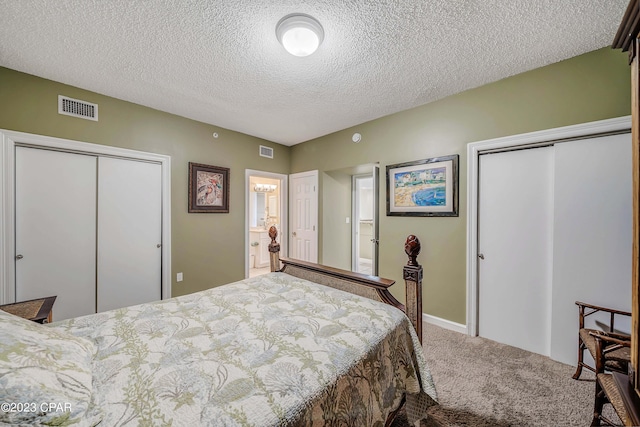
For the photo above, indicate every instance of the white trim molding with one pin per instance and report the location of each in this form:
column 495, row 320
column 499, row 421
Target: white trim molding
column 544, row 137
column 444, row 323
column 8, row 142
column 7, row 218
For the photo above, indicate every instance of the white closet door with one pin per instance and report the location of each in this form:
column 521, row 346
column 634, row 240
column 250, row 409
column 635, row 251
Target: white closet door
column 129, row 232
column 592, row 236
column 56, row 229
column 516, row 240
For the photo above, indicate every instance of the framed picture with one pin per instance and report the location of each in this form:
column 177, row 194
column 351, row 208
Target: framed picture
column 423, row 188
column 208, row 189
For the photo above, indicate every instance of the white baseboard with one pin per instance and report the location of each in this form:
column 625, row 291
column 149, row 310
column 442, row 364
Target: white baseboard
column 444, row 323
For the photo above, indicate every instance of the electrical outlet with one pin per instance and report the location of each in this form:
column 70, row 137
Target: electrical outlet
column 347, row 220
column 179, row 277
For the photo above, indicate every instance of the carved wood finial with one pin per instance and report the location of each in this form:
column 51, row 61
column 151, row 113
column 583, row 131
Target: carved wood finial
column 412, row 249
column 273, row 233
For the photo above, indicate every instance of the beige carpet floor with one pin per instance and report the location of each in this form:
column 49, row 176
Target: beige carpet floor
column 482, row 383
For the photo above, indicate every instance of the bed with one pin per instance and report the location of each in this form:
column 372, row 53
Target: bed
column 305, row 345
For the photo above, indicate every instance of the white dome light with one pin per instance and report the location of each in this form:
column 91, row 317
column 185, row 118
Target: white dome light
column 300, row 34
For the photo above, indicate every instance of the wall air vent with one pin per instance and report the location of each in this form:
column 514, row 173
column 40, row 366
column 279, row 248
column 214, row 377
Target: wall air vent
column 266, row 151
column 76, row 108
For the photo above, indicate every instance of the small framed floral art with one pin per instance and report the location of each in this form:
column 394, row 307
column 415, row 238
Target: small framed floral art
column 208, row 189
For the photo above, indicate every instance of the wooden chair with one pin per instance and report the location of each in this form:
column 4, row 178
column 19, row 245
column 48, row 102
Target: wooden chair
column 609, row 349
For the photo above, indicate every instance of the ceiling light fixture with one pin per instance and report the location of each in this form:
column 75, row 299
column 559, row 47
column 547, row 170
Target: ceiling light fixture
column 300, row 34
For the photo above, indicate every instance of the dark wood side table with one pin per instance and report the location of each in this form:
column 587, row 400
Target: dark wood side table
column 37, row 310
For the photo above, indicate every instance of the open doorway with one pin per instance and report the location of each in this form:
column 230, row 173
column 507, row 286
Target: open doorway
column 364, row 226
column 266, row 206
column 343, row 242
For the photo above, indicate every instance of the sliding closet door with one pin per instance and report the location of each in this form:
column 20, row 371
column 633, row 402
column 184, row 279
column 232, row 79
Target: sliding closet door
column 129, row 232
column 56, row 229
column 515, row 244
column 592, row 236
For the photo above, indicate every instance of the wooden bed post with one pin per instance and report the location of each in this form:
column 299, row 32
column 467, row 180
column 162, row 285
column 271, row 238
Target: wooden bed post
column 274, row 249
column 412, row 274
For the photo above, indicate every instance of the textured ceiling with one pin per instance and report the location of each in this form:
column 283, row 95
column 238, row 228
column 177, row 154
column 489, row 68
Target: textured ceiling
column 219, row 62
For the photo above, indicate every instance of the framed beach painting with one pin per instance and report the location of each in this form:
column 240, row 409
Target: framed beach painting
column 208, row 189
column 426, row 187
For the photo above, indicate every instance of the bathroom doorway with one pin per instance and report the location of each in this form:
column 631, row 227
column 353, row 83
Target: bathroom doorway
column 266, row 198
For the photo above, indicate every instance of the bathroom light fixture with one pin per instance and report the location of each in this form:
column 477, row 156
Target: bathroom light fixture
column 265, row 188
column 300, row 34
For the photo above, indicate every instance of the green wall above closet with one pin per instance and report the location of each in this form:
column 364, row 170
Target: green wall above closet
column 589, row 87
column 207, row 248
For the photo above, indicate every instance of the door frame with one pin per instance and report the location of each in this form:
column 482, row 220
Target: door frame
column 284, row 222
column 8, row 142
column 531, row 139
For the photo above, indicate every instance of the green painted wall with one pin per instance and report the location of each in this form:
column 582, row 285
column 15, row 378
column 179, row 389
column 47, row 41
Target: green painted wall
column 207, row 248
column 336, row 198
column 590, row 87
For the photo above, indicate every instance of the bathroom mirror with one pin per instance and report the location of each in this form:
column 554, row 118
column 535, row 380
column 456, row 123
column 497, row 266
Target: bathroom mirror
column 273, row 206
column 257, row 207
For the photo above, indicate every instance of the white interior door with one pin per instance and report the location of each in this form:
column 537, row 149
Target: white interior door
column 129, row 232
column 55, row 206
column 303, row 202
column 516, row 246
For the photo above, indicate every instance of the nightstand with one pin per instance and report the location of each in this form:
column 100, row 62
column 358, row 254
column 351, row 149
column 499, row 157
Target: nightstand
column 37, row 310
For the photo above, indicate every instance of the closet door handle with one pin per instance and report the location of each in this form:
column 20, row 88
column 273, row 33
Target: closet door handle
column 481, row 256
column 159, row 245
column 19, row 257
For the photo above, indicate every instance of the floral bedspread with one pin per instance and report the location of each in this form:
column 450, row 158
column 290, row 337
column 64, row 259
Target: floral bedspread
column 274, row 350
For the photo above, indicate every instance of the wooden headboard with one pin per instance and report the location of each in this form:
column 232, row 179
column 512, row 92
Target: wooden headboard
column 372, row 287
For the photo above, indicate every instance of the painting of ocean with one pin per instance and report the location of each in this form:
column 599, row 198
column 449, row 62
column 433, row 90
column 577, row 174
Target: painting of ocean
column 436, row 196
column 423, row 187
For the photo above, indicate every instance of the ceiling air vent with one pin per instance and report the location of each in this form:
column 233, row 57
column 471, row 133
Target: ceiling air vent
column 76, row 108
column 266, row 151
